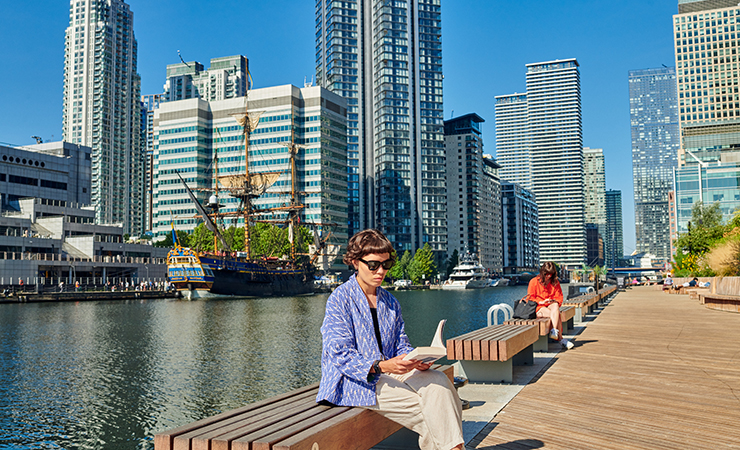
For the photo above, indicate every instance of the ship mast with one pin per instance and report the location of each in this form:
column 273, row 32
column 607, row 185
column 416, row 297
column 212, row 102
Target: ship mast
column 248, row 201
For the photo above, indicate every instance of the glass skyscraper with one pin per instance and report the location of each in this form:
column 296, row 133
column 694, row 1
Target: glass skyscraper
column 655, row 143
column 102, row 107
column 385, row 58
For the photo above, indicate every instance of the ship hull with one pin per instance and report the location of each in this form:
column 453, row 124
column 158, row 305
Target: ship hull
column 231, row 282
column 253, row 279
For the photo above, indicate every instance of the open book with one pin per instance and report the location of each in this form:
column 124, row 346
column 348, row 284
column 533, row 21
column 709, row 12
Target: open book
column 434, row 351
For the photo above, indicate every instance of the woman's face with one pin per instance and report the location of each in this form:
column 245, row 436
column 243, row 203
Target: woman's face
column 371, row 278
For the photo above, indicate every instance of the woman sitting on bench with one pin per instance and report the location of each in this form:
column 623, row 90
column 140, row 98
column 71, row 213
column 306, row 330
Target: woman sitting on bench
column 364, row 343
column 546, row 291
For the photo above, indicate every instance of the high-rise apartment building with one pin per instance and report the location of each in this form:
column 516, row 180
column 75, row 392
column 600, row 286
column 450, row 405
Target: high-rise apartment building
column 385, row 58
column 513, row 149
column 594, row 180
column 520, row 230
column 655, row 144
column 102, row 106
column 473, row 193
column 553, row 134
column 148, row 104
column 614, row 239
column 706, row 42
column 190, row 134
column 228, row 77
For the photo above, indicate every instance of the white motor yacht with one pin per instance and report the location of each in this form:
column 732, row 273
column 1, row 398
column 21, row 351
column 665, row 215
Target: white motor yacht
column 468, row 274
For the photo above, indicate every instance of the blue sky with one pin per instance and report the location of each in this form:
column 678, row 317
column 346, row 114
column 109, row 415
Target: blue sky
column 486, row 44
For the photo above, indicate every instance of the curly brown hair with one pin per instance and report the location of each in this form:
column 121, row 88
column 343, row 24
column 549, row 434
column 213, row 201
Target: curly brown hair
column 366, row 242
column 549, row 268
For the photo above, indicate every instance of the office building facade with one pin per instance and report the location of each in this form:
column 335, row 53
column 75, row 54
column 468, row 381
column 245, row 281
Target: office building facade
column 706, row 43
column 190, row 134
column 614, row 238
column 473, row 193
column 385, row 58
column 102, row 106
column 520, row 230
column 710, row 182
column 655, row 144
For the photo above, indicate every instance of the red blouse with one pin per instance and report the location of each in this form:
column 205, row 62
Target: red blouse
column 539, row 293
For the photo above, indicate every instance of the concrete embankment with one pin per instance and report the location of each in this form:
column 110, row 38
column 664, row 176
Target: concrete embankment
column 32, row 297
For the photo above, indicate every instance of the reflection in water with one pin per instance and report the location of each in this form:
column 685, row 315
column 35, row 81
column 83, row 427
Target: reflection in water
column 111, row 374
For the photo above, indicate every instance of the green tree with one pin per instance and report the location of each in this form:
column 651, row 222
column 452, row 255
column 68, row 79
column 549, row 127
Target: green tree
column 234, row 236
column 400, row 270
column 452, row 262
column 705, row 231
column 201, row 239
column 272, row 241
column 167, row 241
column 422, row 266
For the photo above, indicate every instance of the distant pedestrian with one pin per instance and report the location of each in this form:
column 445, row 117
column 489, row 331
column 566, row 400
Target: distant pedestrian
column 546, row 291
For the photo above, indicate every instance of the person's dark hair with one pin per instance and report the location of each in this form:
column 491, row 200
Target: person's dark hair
column 367, row 242
column 549, row 268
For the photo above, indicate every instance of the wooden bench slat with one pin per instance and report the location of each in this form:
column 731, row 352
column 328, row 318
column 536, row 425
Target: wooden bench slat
column 235, row 429
column 518, row 341
column 482, row 343
column 165, row 439
column 296, row 425
column 357, row 429
column 272, row 426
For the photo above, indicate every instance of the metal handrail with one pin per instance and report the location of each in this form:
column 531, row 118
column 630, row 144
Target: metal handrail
column 493, row 311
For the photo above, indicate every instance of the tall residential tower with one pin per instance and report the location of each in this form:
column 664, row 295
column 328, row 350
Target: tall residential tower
column 385, row 58
column 655, row 143
column 549, row 143
column 102, row 106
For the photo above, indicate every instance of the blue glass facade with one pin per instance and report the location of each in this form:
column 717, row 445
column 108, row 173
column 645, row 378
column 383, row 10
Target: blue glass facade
column 655, row 144
column 719, row 183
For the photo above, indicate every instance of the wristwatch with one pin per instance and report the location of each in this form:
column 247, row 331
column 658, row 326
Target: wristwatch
column 376, row 367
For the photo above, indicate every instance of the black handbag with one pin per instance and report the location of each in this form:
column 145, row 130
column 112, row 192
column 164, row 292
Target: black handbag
column 525, row 309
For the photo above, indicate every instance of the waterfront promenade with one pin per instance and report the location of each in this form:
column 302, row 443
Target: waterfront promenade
column 650, row 371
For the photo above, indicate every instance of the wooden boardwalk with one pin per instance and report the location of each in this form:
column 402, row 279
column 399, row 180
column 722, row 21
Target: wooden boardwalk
column 652, row 371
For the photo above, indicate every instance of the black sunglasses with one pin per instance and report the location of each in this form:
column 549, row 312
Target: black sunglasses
column 374, row 265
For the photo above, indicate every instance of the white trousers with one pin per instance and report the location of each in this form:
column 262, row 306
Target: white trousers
column 424, row 402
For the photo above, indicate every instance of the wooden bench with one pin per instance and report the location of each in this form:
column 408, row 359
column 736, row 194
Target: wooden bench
column 543, row 326
column 583, row 305
column 567, row 314
column 489, row 354
column 721, row 302
column 291, row 421
column 695, row 292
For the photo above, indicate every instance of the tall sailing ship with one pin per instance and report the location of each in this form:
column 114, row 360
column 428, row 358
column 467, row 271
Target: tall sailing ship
column 240, row 273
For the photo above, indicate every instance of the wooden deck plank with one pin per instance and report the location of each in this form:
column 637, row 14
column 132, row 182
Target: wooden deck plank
column 653, row 371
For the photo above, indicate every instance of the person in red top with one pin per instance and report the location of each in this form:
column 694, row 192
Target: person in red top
column 545, row 290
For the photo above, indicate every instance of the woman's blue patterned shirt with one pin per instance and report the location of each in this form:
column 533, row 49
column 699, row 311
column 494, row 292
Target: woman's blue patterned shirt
column 350, row 346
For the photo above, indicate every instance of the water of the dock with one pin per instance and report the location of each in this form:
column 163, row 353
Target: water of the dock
column 650, row 371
